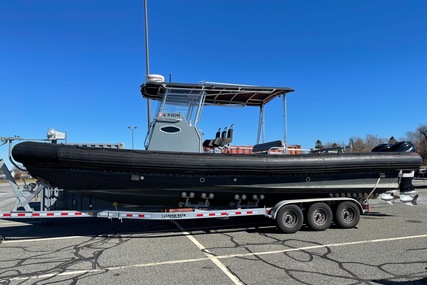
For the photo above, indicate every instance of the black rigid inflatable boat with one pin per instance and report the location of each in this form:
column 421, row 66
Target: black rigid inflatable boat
column 160, row 177
column 178, row 165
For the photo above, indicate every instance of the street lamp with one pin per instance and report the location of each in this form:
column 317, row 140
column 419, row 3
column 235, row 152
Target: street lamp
column 132, row 129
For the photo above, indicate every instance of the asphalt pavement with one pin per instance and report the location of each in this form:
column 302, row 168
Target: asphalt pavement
column 389, row 246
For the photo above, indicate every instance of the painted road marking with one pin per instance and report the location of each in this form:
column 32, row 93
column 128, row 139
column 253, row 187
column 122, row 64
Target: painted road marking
column 208, row 257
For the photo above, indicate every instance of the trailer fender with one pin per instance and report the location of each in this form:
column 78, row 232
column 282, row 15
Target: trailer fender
column 301, row 202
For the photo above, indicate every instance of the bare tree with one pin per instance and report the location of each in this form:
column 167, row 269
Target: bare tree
column 411, row 136
column 358, row 144
column 423, row 131
column 366, row 145
column 421, row 142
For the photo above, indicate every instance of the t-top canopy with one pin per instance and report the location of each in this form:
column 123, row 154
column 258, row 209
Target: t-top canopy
column 217, row 93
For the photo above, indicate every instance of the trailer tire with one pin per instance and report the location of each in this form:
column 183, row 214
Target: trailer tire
column 347, row 215
column 319, row 216
column 289, row 219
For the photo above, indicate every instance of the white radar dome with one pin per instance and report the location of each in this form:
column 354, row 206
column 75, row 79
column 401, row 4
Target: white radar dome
column 154, row 78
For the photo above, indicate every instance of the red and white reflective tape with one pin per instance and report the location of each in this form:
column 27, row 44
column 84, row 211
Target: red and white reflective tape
column 224, row 214
column 43, row 214
column 177, row 215
column 135, row 216
column 197, row 214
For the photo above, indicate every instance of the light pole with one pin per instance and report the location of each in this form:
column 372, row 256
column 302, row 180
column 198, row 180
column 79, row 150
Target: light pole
column 132, row 129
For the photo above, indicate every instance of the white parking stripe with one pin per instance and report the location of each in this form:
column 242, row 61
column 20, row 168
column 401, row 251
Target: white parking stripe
column 211, row 257
column 321, row 246
column 216, row 258
column 42, row 239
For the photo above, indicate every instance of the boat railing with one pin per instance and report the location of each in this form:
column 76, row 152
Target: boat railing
column 288, row 150
column 149, row 134
column 326, row 150
column 267, row 148
column 99, row 145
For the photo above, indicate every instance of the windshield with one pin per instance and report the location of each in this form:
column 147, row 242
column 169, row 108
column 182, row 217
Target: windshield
column 182, row 103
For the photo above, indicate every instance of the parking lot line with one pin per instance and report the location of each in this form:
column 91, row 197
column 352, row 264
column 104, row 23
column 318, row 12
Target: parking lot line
column 210, row 256
column 215, row 259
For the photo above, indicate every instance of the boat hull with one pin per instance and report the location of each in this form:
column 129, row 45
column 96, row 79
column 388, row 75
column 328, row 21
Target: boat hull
column 160, row 178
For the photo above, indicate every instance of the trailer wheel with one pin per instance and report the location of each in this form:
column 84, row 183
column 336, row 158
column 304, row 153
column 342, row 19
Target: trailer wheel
column 319, row 217
column 347, row 215
column 289, row 219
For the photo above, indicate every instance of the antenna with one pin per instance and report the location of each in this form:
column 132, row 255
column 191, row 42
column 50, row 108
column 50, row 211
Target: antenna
column 147, row 60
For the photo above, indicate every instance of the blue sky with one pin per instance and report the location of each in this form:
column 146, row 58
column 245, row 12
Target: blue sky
column 357, row 67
